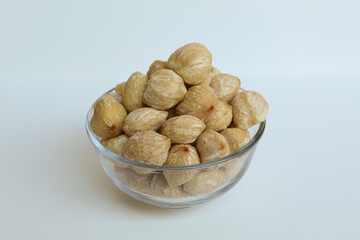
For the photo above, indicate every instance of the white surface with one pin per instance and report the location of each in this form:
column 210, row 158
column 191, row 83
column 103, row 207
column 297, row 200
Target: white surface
column 57, row 57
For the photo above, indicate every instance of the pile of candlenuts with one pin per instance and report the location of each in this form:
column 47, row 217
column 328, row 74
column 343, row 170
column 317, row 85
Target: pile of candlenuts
column 182, row 112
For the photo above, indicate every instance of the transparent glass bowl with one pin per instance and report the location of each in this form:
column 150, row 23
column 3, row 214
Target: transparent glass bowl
column 147, row 183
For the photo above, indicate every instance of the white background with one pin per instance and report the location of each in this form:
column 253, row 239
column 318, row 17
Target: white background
column 57, row 57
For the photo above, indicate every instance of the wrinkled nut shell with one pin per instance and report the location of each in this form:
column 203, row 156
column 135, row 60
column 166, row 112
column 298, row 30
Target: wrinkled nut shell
column 249, row 108
column 236, row 138
column 108, row 117
column 222, row 117
column 211, row 145
column 181, row 155
column 164, row 89
column 155, row 66
column 128, row 177
column 116, row 144
column 192, row 62
column 200, row 101
column 147, row 147
column 134, row 89
column 160, row 188
column 182, row 129
column 142, row 119
column 204, row 182
column 226, row 86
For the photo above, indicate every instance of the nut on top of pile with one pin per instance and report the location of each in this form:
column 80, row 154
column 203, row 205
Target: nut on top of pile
column 179, row 113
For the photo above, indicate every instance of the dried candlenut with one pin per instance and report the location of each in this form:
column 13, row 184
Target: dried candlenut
column 116, row 144
column 164, row 89
column 249, row 108
column 204, row 182
column 155, row 66
column 133, row 180
column 147, row 147
column 236, row 138
column 160, row 188
column 108, row 117
column 145, row 118
column 182, row 129
column 200, row 101
column 211, row 145
column 226, row 86
column 133, row 91
column 181, row 155
column 222, row 117
column 192, row 62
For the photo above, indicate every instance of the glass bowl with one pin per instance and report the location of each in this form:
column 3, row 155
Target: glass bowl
column 148, row 183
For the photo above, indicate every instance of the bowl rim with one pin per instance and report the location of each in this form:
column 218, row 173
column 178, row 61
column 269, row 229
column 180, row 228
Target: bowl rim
column 252, row 143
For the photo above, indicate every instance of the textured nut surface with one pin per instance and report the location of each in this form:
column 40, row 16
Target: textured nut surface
column 249, row 108
column 181, row 155
column 108, row 117
column 222, row 117
column 155, row 66
column 147, row 147
column 204, row 182
column 164, row 89
column 211, row 145
column 192, row 62
column 120, row 88
column 160, row 188
column 236, row 138
column 128, row 177
column 116, row 96
column 116, row 144
column 226, row 86
column 145, row 118
column 214, row 71
column 134, row 89
column 183, row 129
column 200, row 101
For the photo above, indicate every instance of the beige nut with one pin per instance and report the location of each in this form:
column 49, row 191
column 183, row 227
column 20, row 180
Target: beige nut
column 214, row 71
column 204, row 182
column 164, row 89
column 145, row 118
column 226, row 86
column 192, row 62
column 200, row 101
column 234, row 166
column 155, row 66
column 116, row 96
column 108, row 117
column 116, row 144
column 249, row 108
column 182, row 129
column 222, row 117
column 134, row 89
column 236, row 138
column 147, row 147
column 120, row 88
column 181, row 155
column 128, row 177
column 211, row 145
column 159, row 187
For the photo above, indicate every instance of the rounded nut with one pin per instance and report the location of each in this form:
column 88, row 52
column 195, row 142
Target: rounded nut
column 192, row 62
column 214, row 71
column 142, row 119
column 129, row 178
column 222, row 117
column 164, row 89
column 155, row 66
column 211, row 145
column 182, row 129
column 116, row 144
column 108, row 117
column 226, row 86
column 236, row 138
column 249, row 108
column 147, row 147
column 159, row 187
column 181, row 155
column 204, row 182
column 200, row 101
column 120, row 88
column 134, row 89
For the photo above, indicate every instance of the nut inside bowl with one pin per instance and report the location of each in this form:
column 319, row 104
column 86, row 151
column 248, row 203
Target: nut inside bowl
column 195, row 183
